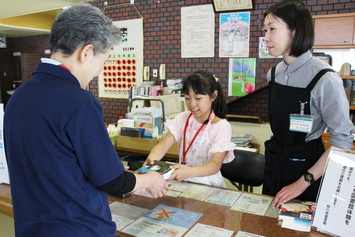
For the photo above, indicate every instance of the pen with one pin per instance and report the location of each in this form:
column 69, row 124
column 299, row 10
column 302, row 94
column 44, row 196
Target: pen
column 294, row 159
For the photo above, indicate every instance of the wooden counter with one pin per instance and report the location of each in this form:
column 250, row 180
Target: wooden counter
column 213, row 214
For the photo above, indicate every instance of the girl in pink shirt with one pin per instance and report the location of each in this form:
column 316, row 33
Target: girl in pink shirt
column 203, row 133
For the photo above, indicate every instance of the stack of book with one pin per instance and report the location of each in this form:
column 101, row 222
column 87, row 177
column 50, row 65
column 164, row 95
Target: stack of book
column 296, row 214
column 242, row 140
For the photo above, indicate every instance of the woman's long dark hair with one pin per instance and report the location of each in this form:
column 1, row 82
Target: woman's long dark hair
column 203, row 82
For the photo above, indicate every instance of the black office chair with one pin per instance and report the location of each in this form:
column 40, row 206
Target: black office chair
column 245, row 171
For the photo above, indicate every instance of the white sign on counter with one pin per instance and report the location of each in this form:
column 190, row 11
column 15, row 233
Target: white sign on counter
column 4, row 173
column 335, row 212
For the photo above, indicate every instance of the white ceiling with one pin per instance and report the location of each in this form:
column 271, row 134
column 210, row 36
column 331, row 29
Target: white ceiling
column 15, row 8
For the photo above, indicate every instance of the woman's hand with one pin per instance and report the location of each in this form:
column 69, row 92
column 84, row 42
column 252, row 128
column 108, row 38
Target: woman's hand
column 290, row 191
column 181, row 172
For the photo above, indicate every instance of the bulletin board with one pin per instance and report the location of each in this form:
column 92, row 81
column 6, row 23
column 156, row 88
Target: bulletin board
column 124, row 67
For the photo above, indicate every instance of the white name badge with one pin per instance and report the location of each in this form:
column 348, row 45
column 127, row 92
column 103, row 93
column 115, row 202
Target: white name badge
column 301, row 123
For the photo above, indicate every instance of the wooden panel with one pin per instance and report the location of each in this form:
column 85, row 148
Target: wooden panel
column 334, row 31
column 325, row 138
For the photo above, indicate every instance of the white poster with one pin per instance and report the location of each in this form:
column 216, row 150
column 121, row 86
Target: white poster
column 234, row 32
column 3, row 42
column 335, row 206
column 197, row 31
column 124, row 67
column 4, row 173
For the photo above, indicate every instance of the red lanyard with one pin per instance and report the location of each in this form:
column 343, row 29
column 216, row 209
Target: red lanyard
column 193, row 139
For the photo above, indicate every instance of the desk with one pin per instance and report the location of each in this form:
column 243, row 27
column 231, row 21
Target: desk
column 213, row 214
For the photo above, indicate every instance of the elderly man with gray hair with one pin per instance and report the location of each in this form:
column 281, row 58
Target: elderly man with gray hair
column 61, row 160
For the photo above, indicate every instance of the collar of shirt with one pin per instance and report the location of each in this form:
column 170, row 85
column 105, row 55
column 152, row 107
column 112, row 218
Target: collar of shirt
column 295, row 65
column 50, row 61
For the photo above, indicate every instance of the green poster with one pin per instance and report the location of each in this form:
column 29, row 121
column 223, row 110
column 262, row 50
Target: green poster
column 241, row 76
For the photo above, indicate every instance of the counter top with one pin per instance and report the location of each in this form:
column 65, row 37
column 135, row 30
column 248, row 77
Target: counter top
column 213, row 214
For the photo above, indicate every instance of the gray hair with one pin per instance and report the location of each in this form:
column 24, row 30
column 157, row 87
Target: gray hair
column 81, row 24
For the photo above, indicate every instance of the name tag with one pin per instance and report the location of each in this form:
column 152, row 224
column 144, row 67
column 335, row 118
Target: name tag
column 301, row 123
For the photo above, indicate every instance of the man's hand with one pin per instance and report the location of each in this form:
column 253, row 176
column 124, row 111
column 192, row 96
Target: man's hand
column 290, row 191
column 159, row 186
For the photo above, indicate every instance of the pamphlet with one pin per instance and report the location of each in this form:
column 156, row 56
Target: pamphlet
column 163, row 221
column 125, row 214
column 179, row 186
column 208, row 231
column 247, row 234
column 198, row 192
column 223, row 197
column 251, row 203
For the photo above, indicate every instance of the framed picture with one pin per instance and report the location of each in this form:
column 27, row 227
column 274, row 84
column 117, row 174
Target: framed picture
column 231, row 5
column 324, row 57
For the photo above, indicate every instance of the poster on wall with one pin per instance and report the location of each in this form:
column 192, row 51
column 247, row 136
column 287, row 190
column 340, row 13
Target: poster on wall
column 263, row 50
column 241, row 80
column 227, row 5
column 124, row 67
column 234, row 34
column 3, row 42
column 197, row 31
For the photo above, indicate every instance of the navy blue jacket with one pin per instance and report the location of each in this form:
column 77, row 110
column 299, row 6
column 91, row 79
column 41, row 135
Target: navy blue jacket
column 58, row 152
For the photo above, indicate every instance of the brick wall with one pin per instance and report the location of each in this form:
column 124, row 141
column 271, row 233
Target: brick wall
column 162, row 45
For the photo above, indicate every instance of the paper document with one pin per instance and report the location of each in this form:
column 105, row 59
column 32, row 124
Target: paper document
column 253, row 204
column 246, row 234
column 163, row 221
column 208, row 231
column 198, row 192
column 125, row 214
column 223, row 197
column 178, row 186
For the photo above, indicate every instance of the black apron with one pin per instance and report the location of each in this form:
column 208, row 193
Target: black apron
column 280, row 171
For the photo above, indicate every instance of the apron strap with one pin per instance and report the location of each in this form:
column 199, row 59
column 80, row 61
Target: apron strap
column 273, row 69
column 316, row 79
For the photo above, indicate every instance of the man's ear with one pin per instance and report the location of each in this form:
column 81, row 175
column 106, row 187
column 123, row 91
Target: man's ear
column 86, row 52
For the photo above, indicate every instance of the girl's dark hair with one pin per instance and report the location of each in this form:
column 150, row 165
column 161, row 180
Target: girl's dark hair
column 297, row 17
column 203, row 82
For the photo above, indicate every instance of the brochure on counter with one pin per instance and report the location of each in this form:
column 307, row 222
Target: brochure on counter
column 163, row 221
column 125, row 214
column 252, row 203
column 200, row 230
